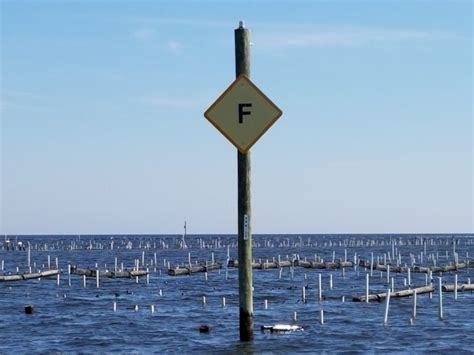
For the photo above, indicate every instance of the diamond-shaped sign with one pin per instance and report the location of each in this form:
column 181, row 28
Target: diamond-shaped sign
column 243, row 113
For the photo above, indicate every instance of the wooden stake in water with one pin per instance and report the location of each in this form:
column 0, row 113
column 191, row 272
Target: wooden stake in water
column 97, row 278
column 29, row 255
column 414, row 305
column 320, row 290
column 371, row 264
column 367, row 288
column 440, row 286
column 387, row 303
column 455, row 286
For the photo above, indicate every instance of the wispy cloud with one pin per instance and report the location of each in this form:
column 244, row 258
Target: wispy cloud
column 343, row 37
column 174, row 47
column 142, row 34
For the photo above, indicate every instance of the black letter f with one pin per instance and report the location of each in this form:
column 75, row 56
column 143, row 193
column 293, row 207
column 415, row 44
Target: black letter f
column 242, row 112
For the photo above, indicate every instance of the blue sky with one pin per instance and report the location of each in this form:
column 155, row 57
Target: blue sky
column 102, row 127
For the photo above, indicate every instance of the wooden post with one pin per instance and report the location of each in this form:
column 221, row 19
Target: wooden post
column 414, row 305
column 242, row 66
column 367, row 288
column 455, row 286
column 387, row 305
column 440, row 286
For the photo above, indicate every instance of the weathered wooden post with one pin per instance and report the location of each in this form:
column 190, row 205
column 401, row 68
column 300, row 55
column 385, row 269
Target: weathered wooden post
column 243, row 114
column 242, row 66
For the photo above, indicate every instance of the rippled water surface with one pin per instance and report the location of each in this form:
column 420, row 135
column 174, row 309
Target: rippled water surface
column 77, row 319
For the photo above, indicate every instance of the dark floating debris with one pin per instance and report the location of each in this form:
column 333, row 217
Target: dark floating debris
column 204, row 328
column 282, row 328
column 29, row 309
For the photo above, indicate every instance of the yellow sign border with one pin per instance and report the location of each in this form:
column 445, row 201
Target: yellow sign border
column 259, row 92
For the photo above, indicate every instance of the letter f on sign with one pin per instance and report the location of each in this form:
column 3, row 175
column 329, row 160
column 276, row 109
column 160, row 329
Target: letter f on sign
column 242, row 113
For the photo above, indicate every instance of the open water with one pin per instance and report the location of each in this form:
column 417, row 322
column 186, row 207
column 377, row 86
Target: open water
column 77, row 319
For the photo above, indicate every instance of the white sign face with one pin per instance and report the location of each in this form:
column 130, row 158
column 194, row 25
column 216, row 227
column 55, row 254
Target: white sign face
column 243, row 113
column 246, row 227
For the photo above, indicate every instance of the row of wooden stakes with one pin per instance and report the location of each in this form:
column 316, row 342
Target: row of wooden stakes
column 296, row 263
column 418, row 269
column 108, row 273
column 29, row 275
column 194, row 269
column 261, row 265
column 76, row 271
column 410, row 292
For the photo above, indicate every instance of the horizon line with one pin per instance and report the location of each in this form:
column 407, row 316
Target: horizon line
column 233, row 234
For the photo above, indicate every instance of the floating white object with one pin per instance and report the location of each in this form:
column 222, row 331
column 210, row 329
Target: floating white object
column 282, row 328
